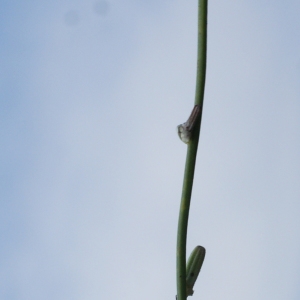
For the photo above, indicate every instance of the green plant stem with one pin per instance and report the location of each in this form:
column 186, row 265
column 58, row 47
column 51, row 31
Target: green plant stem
column 191, row 155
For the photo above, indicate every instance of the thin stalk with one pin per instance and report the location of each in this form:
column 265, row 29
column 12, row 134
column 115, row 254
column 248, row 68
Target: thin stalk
column 191, row 155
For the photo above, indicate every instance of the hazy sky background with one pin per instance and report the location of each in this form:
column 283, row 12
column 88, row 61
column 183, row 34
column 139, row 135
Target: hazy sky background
column 91, row 164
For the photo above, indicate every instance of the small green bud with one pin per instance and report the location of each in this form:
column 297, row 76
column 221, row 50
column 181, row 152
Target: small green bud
column 193, row 268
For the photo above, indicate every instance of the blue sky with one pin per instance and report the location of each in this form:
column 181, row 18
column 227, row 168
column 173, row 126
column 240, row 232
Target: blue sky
column 91, row 164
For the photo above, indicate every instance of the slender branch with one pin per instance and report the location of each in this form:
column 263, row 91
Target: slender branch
column 191, row 155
